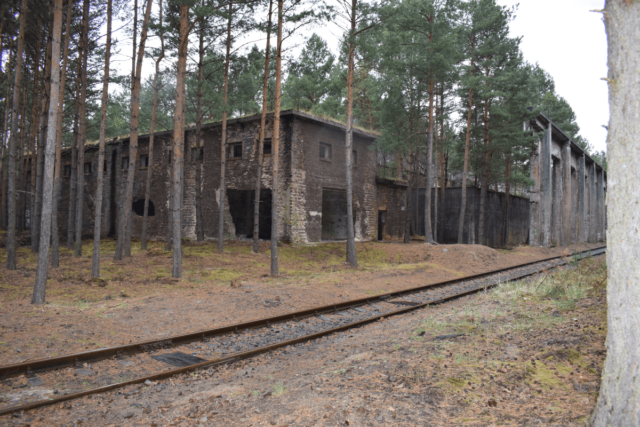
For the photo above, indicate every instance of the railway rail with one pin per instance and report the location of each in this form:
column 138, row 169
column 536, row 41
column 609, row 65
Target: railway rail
column 63, row 378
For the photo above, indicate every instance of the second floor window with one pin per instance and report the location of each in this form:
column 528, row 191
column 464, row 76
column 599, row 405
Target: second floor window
column 235, row 151
column 354, row 158
column 87, row 168
column 125, row 163
column 144, row 161
column 325, row 152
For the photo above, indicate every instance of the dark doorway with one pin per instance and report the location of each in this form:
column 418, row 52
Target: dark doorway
column 382, row 219
column 334, row 214
column 138, row 208
column 241, row 209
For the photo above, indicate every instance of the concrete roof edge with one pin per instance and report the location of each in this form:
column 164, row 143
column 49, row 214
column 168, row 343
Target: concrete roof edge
column 575, row 146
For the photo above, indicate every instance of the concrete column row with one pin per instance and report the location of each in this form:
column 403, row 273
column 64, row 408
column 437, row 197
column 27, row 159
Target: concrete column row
column 562, row 214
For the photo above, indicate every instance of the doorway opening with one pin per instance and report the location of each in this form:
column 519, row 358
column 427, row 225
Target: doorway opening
column 241, row 209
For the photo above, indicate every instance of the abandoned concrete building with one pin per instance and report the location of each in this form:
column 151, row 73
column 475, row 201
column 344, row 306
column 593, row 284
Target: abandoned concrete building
column 565, row 205
column 312, row 203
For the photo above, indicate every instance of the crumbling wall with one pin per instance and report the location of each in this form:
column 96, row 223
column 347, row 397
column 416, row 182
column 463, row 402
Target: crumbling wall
column 391, row 199
column 314, row 175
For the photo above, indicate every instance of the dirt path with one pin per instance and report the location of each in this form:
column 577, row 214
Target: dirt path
column 528, row 353
column 136, row 299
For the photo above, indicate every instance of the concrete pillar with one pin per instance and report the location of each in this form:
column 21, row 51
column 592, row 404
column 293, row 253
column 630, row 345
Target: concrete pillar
column 567, row 194
column 557, row 238
column 592, row 204
column 582, row 217
column 534, row 197
column 600, row 206
column 545, row 188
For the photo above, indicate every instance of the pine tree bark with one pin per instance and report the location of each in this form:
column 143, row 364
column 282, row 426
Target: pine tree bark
column 11, row 168
column 82, row 126
column 223, row 138
column 507, row 190
column 123, row 244
column 44, row 123
column 95, row 265
column 3, row 156
column 275, row 147
column 467, row 142
column 73, row 181
column 263, row 125
column 55, row 238
column 33, row 137
column 197, row 148
column 620, row 388
column 352, row 257
column 409, row 197
column 152, row 130
column 178, row 142
column 39, row 288
column 428, row 233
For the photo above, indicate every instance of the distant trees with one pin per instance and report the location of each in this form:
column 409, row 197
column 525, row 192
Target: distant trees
column 441, row 81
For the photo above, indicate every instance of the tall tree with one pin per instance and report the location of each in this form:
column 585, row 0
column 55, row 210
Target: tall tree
column 47, row 199
column 11, row 169
column 618, row 401
column 123, row 244
column 154, row 111
column 178, row 141
column 95, row 267
column 275, row 146
column 223, row 137
column 55, row 239
column 82, row 128
column 263, row 125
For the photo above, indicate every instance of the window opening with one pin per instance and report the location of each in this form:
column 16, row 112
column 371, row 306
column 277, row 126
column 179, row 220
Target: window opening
column 325, row 152
column 125, row 163
column 87, row 168
column 144, row 161
column 235, row 151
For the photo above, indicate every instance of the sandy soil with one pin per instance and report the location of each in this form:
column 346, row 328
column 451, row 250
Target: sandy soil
column 136, row 299
column 504, row 357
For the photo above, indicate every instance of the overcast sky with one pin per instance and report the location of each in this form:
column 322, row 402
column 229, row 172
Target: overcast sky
column 563, row 36
column 569, row 42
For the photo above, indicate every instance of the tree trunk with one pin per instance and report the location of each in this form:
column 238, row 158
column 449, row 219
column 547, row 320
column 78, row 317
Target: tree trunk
column 507, row 189
column 263, row 125
column 352, row 257
column 199, row 117
column 11, row 169
column 39, row 288
column 3, row 185
column 55, row 239
column 178, row 142
column 223, row 138
column 21, row 170
column 275, row 147
column 484, row 190
column 33, row 136
column 95, row 266
column 465, row 169
column 428, row 234
column 123, row 244
column 82, row 126
column 154, row 110
column 407, row 222
column 620, row 388
column 44, row 122
column 73, row 179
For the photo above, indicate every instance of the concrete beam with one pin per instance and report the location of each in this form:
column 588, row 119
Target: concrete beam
column 600, row 206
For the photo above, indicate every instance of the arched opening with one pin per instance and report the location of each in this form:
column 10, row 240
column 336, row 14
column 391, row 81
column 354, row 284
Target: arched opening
column 138, row 208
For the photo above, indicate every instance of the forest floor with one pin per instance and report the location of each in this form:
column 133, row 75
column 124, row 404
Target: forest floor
column 530, row 352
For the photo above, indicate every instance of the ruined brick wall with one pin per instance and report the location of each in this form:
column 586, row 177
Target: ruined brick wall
column 391, row 199
column 311, row 175
column 90, row 185
column 241, row 172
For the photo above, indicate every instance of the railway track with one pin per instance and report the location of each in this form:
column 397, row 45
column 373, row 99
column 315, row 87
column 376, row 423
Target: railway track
column 43, row 382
